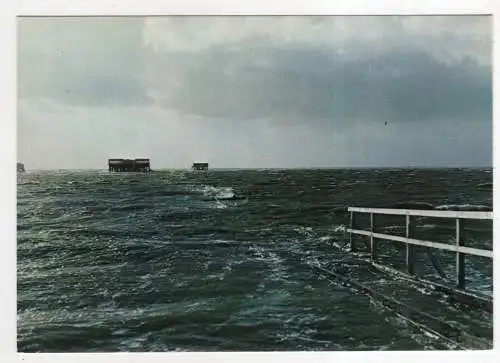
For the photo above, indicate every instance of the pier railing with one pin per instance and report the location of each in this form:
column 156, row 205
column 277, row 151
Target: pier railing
column 458, row 247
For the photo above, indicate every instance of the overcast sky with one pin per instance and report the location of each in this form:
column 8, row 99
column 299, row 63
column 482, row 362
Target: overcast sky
column 255, row 92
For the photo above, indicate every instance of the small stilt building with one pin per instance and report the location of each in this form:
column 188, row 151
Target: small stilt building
column 20, row 168
column 129, row 165
column 200, row 167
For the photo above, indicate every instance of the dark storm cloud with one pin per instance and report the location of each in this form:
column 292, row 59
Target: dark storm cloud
column 311, row 82
column 326, row 69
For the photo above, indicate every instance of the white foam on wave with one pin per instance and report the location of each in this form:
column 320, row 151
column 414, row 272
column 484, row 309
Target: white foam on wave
column 217, row 192
column 230, row 261
column 479, row 207
column 219, row 205
column 428, row 226
column 345, row 248
column 325, row 238
column 303, row 229
column 275, row 262
column 340, row 228
column 306, row 232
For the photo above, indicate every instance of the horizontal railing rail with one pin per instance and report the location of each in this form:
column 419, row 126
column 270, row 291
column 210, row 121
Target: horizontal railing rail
column 418, row 242
column 458, row 248
column 425, row 213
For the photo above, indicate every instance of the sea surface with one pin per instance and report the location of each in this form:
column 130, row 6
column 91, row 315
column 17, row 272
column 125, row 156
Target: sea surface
column 222, row 261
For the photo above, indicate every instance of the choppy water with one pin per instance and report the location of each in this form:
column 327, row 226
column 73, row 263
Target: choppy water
column 173, row 260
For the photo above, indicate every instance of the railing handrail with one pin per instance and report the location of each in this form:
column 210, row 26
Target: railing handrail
column 425, row 212
column 431, row 244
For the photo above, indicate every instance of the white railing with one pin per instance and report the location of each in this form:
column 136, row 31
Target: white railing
column 458, row 248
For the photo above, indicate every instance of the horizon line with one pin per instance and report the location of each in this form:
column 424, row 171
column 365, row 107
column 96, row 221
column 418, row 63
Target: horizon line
column 286, row 168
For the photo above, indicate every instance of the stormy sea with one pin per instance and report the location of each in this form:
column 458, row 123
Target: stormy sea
column 224, row 261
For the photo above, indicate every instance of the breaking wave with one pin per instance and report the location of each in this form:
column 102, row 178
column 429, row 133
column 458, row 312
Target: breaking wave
column 464, row 207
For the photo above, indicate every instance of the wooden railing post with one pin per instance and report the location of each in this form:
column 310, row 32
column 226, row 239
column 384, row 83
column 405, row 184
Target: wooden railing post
column 372, row 239
column 351, row 240
column 460, row 259
column 410, row 249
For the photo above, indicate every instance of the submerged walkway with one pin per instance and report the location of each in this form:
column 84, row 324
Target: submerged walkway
column 462, row 318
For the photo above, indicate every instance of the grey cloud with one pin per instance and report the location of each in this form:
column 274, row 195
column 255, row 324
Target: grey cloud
column 326, row 68
column 81, row 60
column 316, row 83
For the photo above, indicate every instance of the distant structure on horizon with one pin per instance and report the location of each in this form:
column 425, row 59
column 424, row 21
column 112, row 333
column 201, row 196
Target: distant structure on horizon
column 129, row 165
column 200, row 167
column 20, row 168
